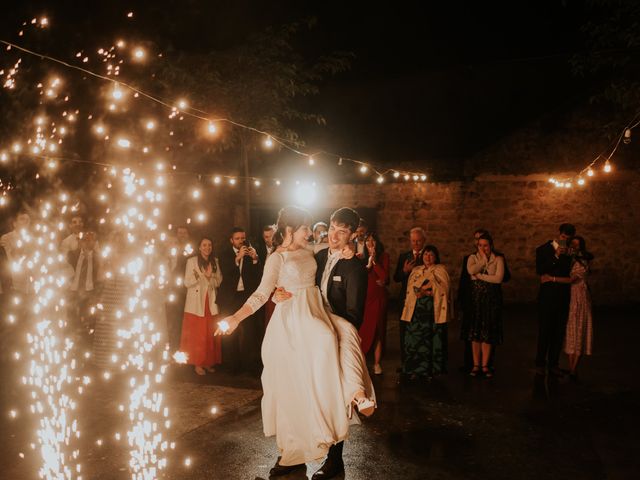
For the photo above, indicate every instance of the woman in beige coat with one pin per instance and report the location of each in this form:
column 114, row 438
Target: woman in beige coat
column 202, row 277
column 427, row 309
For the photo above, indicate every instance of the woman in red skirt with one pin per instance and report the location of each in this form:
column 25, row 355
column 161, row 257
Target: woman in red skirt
column 202, row 277
column 374, row 326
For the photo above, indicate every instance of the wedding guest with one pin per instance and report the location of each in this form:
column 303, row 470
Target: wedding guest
column 264, row 246
column 85, row 261
column 5, row 277
column 464, row 302
column 553, row 260
column 179, row 251
column 484, row 328
column 579, row 333
column 117, row 287
column 320, row 239
column 426, row 313
column 241, row 273
column 374, row 326
column 406, row 262
column 202, row 277
column 361, row 233
column 72, row 242
column 12, row 244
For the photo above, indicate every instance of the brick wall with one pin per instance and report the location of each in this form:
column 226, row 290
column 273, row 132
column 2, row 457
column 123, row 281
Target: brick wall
column 521, row 213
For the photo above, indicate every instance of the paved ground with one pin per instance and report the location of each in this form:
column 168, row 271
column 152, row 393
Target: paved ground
column 513, row 426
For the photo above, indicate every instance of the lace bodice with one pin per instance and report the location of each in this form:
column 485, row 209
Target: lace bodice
column 293, row 270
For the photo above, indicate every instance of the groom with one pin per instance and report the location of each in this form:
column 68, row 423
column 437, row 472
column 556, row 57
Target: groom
column 343, row 283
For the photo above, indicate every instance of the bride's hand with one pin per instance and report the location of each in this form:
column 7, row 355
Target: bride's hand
column 348, row 251
column 280, row 295
column 227, row 326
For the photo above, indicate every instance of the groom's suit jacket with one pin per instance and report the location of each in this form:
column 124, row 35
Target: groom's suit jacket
column 347, row 286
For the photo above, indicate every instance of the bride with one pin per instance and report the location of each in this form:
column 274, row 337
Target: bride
column 314, row 371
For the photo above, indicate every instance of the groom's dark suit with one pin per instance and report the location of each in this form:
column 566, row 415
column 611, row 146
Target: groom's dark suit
column 347, row 286
column 346, row 292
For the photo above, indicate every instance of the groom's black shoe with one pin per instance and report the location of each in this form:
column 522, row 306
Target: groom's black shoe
column 331, row 468
column 280, row 470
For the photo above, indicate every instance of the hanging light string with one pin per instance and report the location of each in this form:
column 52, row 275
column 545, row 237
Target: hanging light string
column 211, row 119
column 624, row 135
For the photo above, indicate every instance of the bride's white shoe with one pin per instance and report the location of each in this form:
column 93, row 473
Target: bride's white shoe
column 364, row 405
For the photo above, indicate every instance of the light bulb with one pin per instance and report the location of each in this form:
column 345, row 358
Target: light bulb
column 607, row 167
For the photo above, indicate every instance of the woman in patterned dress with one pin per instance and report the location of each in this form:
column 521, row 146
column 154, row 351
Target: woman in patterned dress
column 579, row 334
column 484, row 330
column 426, row 308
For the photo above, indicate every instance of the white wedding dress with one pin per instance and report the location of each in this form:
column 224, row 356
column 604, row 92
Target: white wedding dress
column 313, row 364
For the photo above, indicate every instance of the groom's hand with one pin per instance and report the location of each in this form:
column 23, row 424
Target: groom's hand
column 280, row 295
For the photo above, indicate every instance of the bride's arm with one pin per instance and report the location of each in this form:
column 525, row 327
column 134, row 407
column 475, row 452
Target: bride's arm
column 257, row 298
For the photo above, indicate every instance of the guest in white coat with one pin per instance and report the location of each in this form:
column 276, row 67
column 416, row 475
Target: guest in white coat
column 202, row 277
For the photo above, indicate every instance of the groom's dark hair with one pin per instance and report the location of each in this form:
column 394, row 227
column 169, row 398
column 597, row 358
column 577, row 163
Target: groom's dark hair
column 346, row 217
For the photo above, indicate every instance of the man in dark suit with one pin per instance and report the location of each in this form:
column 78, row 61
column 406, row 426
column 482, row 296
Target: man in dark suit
column 241, row 273
column 83, row 287
column 406, row 262
column 343, row 285
column 264, row 245
column 553, row 260
column 179, row 252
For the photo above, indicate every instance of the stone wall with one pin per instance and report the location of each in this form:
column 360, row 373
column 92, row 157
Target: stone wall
column 521, row 213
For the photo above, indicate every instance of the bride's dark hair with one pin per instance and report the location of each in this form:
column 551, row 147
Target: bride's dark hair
column 290, row 216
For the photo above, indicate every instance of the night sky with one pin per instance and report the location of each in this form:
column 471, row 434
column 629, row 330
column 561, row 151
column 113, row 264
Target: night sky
column 431, row 84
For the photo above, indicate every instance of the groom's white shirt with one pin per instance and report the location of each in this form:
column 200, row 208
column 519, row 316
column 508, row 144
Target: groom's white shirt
column 332, row 259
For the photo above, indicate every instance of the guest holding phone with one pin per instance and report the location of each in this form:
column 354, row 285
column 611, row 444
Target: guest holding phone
column 241, row 273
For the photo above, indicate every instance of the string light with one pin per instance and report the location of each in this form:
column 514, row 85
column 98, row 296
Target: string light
column 182, row 104
column 268, row 142
column 607, row 167
column 363, row 169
